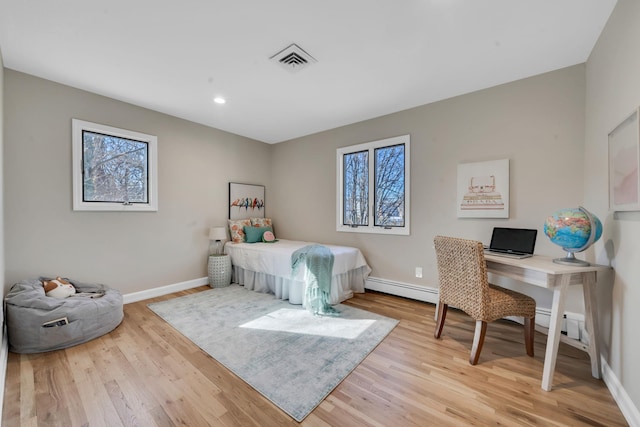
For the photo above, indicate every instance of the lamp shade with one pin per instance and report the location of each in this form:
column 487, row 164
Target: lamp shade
column 217, row 233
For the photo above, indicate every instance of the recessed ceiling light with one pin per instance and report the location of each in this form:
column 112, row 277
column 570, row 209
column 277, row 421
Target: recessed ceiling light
column 219, row 100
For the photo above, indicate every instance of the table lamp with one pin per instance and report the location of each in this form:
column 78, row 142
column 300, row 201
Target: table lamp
column 217, row 235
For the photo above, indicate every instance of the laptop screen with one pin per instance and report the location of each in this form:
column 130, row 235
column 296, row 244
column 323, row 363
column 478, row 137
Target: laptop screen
column 513, row 240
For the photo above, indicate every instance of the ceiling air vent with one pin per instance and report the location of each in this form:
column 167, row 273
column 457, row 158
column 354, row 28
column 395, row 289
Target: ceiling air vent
column 293, row 58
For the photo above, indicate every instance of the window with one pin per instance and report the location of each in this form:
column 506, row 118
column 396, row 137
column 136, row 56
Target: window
column 373, row 187
column 113, row 169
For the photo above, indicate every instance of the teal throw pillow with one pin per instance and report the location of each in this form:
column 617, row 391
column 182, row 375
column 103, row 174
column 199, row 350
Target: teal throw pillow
column 254, row 234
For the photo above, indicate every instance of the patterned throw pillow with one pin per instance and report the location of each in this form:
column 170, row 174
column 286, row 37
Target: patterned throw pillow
column 236, row 229
column 262, row 222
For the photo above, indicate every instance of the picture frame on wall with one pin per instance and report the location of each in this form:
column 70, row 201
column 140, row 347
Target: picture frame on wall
column 624, row 163
column 483, row 189
column 246, row 201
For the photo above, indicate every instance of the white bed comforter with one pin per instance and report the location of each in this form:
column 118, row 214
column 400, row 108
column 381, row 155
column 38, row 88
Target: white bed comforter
column 267, row 266
column 275, row 258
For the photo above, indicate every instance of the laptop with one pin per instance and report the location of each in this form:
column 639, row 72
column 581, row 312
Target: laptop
column 512, row 242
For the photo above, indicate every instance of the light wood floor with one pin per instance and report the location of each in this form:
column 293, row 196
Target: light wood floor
column 145, row 373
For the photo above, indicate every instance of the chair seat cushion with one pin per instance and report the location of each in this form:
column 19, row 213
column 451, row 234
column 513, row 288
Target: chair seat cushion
column 505, row 302
column 28, row 308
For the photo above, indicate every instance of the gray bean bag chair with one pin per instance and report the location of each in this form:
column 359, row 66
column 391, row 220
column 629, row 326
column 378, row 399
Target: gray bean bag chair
column 87, row 317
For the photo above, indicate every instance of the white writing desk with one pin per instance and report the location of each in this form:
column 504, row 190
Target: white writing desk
column 542, row 271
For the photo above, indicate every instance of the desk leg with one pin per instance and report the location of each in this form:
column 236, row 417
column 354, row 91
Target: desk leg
column 591, row 319
column 555, row 328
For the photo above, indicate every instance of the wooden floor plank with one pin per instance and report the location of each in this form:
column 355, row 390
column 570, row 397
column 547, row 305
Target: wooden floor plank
column 145, row 373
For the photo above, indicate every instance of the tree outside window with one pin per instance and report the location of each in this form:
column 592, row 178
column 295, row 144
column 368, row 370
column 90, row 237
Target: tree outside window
column 114, row 169
column 388, row 212
column 390, row 182
column 356, row 188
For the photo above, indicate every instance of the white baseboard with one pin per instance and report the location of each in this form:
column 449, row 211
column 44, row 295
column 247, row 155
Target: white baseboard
column 626, row 405
column 127, row 298
column 430, row 294
column 572, row 324
column 407, row 290
column 543, row 317
column 164, row 290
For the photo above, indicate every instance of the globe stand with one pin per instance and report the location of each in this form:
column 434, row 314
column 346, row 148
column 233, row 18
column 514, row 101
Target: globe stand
column 571, row 259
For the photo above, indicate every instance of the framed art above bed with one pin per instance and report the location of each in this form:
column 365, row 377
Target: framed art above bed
column 246, row 200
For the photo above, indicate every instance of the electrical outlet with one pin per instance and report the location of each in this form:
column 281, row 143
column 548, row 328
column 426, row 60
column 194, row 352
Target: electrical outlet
column 419, row 272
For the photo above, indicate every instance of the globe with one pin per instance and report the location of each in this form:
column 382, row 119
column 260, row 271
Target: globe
column 573, row 229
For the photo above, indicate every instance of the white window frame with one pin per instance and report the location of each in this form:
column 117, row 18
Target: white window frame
column 371, row 146
column 78, row 126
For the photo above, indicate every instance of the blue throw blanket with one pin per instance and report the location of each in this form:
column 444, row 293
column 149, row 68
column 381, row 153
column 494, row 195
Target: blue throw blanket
column 319, row 262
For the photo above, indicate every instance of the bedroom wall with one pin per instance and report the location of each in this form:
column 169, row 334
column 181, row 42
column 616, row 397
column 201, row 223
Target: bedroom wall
column 131, row 251
column 537, row 123
column 2, row 272
column 4, row 344
column 613, row 92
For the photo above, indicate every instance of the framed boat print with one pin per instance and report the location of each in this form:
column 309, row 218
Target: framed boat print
column 624, row 161
column 483, row 189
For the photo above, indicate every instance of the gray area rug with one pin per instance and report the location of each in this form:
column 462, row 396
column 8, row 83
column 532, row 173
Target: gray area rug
column 288, row 355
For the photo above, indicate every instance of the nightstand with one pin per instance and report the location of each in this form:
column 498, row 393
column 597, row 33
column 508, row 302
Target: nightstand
column 219, row 270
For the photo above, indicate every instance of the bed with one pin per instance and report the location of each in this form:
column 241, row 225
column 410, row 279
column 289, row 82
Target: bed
column 266, row 267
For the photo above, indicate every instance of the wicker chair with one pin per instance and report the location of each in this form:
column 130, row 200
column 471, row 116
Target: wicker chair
column 464, row 284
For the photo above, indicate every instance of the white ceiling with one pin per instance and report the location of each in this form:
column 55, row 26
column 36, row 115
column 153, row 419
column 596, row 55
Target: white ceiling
column 374, row 57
